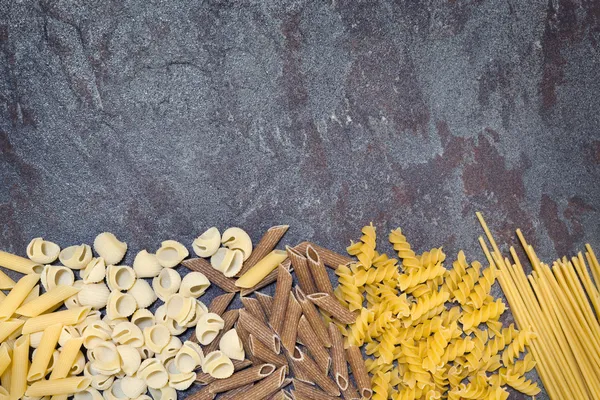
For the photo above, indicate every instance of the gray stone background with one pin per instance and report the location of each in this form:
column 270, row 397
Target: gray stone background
column 158, row 119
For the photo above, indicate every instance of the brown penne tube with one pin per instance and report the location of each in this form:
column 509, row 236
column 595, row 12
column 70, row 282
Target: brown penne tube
column 313, row 317
column 281, row 299
column 245, row 338
column 330, row 258
column 220, row 303
column 253, row 307
column 266, row 244
column 242, row 378
column 333, row 306
column 350, row 393
column 260, row 331
column 281, row 395
column 214, row 276
column 206, row 379
column 229, row 318
column 265, row 387
column 202, row 394
column 318, row 271
column 310, row 391
column 298, row 373
column 266, row 302
column 272, row 277
column 299, row 396
column 313, row 345
column 234, row 392
column 359, row 371
column 265, row 354
column 289, row 332
column 338, row 355
column 304, row 362
column 300, row 264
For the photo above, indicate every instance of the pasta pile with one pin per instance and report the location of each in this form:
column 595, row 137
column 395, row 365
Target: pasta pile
column 433, row 333
column 562, row 304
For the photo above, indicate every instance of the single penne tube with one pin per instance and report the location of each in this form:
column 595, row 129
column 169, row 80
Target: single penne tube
column 305, row 363
column 5, row 357
column 266, row 303
column 19, row 367
column 265, row 387
column 214, row 276
column 66, row 317
column 289, row 332
column 253, row 307
column 318, row 271
column 260, row 330
column 68, row 386
column 338, row 355
column 359, row 371
column 281, row 298
column 313, row 317
column 314, row 345
column 17, row 295
column 7, row 328
column 6, row 281
column 265, row 354
column 262, row 268
column 266, row 244
column 281, row 395
column 205, row 379
column 272, row 277
column 350, row 392
column 220, row 303
column 242, row 378
column 44, row 352
column 332, row 305
column 46, row 301
column 66, row 358
column 19, row 264
column 300, row 264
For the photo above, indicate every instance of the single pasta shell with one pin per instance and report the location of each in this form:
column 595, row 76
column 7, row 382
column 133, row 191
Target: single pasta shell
column 127, row 333
column 120, row 305
column 54, row 275
column 208, row 327
column 217, row 365
column 194, row 284
column 237, row 239
column 100, row 381
column 106, row 359
column 200, row 309
column 94, row 295
column 146, row 265
column 157, row 337
column 189, row 357
column 208, row 243
column 166, row 283
column 170, row 350
column 143, row 318
column 110, row 248
column 179, row 308
column 76, row 257
column 120, row 277
column 130, row 359
column 42, row 251
column 164, row 393
column 171, row 253
column 95, row 271
column 231, row 345
column 133, row 386
column 154, row 373
column 143, row 293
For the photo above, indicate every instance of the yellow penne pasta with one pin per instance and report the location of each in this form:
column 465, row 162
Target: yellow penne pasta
column 46, row 301
column 5, row 357
column 16, row 296
column 262, row 268
column 44, row 352
column 19, row 264
column 5, row 281
column 8, row 327
column 66, row 359
column 67, row 317
column 20, row 366
column 62, row 386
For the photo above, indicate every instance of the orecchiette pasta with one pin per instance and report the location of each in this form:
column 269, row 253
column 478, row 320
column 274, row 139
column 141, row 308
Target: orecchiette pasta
column 180, row 308
column 76, row 257
column 146, row 265
column 95, row 271
column 208, row 327
column 237, row 239
column 120, row 305
column 189, row 357
column 110, row 248
column 100, row 381
column 143, row 318
column 164, row 393
column 133, row 386
column 130, row 359
column 177, row 379
column 120, row 277
column 105, row 358
column 154, row 373
column 128, row 333
column 208, row 243
column 166, row 283
column 88, row 394
column 170, row 350
column 42, row 251
column 231, row 345
column 94, row 295
column 143, row 293
column 228, row 261
column 53, row 276
column 157, row 337
column 217, row 365
column 171, row 253
column 194, row 284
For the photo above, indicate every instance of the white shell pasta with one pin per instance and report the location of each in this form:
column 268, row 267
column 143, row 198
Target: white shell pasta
column 42, row 251
column 78, row 364
column 110, row 248
column 146, row 265
column 67, row 333
column 171, row 253
column 200, row 309
column 105, row 358
column 164, row 393
column 143, row 293
column 54, row 275
column 217, row 365
column 35, row 338
column 120, row 277
column 157, row 337
column 161, row 314
column 143, row 318
column 237, row 239
column 133, row 386
column 94, row 271
column 76, row 257
column 208, row 243
column 180, row 308
column 166, row 283
column 154, row 373
column 130, row 359
column 208, row 327
column 177, row 379
column 128, row 333
column 174, row 327
column 95, row 333
column 143, row 397
column 73, row 301
column 231, row 345
column 170, row 350
column 94, row 295
column 145, row 352
column 120, row 305
column 112, row 322
column 115, row 392
column 88, row 394
column 100, row 381
column 228, row 261
column 189, row 357
column 194, row 284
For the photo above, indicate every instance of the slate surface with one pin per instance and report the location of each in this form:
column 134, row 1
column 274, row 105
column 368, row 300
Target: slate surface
column 158, row 119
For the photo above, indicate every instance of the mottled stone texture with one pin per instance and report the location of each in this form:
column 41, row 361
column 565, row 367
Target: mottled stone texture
column 158, row 119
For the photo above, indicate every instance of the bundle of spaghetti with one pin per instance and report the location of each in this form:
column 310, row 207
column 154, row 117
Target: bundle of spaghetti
column 560, row 304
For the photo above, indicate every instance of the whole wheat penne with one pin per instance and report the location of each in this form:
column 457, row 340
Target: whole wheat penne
column 206, row 379
column 19, row 264
column 229, row 318
column 338, row 355
column 265, row 354
column 281, row 298
column 305, row 362
column 359, row 371
column 260, row 331
column 266, row 302
column 333, row 306
column 313, row 317
column 314, row 345
column 220, row 303
column 232, row 393
column 310, row 391
column 202, row 394
column 299, row 396
column 289, row 332
column 244, row 336
column 300, row 374
column 318, row 271
column 272, row 277
column 330, row 258
column 253, row 307
column 300, row 264
column 281, row 395
column 266, row 387
column 214, row 276
column 242, row 378
column 266, row 244
column 350, row 393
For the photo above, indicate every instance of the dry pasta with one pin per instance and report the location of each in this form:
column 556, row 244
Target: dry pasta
column 42, row 251
column 231, row 345
column 76, row 257
column 208, row 327
column 217, row 365
column 166, row 283
column 262, row 268
column 171, row 253
column 120, row 277
column 146, row 265
column 194, row 284
column 110, row 248
column 227, row 261
column 142, row 293
column 237, row 239
column 17, row 295
column 46, row 301
column 207, row 243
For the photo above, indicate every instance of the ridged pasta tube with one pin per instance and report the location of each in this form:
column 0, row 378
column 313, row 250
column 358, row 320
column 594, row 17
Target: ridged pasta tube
column 42, row 251
column 110, row 248
column 76, row 257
